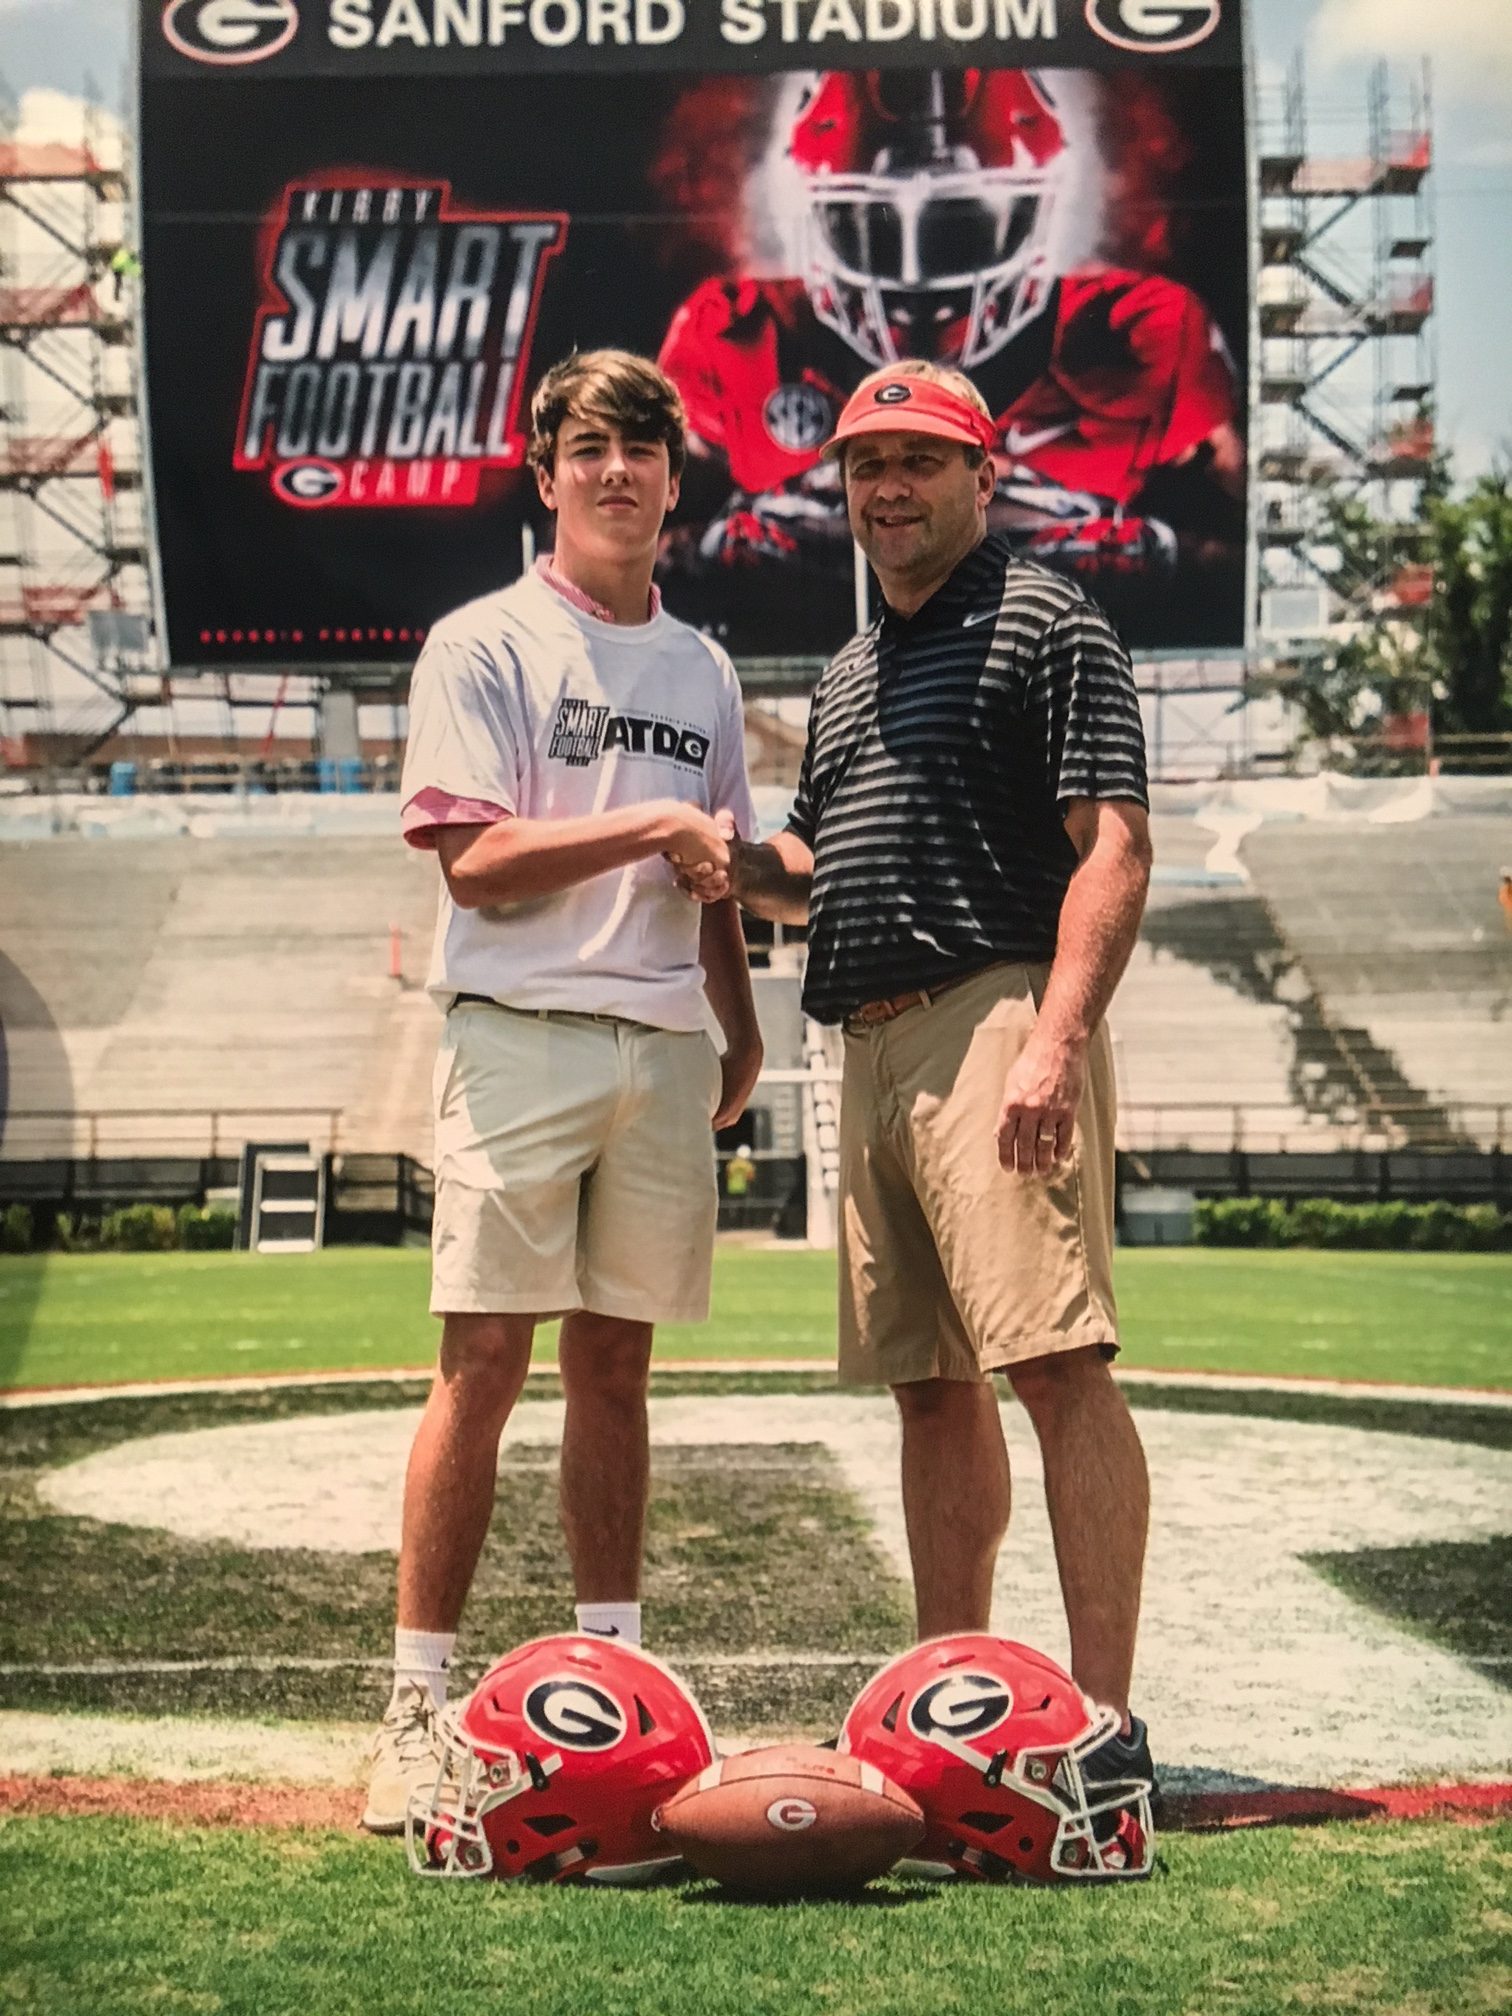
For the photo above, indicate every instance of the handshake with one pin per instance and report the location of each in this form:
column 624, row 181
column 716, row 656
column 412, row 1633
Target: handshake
column 708, row 854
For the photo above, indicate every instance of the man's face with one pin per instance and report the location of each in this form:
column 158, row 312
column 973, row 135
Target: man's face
column 610, row 493
column 915, row 506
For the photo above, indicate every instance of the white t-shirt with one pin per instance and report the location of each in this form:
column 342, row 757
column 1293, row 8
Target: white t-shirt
column 521, row 703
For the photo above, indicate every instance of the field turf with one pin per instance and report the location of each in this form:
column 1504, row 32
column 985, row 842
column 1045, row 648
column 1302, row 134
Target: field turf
column 123, row 1918
column 1431, row 1319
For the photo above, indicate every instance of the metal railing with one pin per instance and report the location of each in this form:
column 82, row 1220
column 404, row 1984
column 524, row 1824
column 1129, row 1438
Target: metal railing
column 1221, row 1126
column 1226, row 1127
column 37, row 1134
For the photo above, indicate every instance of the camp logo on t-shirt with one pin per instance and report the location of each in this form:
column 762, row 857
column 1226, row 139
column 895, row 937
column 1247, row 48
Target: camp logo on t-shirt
column 583, row 732
column 577, row 735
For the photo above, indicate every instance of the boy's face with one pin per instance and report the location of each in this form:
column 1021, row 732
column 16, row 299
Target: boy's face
column 610, row 493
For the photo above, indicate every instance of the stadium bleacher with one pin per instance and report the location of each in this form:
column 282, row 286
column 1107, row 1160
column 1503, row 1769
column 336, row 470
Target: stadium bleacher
column 1399, row 931
column 183, row 976
column 1318, row 967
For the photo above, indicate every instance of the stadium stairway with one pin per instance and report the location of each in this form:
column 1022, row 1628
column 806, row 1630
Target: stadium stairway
column 1408, row 957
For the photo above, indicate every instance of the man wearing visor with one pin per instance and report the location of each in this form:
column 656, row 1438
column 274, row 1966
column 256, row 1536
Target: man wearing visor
column 969, row 846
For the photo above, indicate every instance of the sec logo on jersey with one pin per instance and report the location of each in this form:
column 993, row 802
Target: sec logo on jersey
column 230, row 31
column 1153, row 25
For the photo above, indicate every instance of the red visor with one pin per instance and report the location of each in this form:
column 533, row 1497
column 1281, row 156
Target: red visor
column 901, row 404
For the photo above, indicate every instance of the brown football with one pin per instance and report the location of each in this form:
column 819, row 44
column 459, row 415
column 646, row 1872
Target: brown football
column 791, row 1819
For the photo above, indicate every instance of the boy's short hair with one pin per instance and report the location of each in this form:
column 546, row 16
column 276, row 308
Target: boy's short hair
column 629, row 392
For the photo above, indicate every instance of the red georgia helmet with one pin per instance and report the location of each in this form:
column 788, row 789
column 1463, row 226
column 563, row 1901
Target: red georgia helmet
column 930, row 201
column 553, row 1765
column 989, row 1736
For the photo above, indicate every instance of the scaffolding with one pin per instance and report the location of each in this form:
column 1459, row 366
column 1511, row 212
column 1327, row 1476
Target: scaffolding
column 1345, row 302
column 74, row 594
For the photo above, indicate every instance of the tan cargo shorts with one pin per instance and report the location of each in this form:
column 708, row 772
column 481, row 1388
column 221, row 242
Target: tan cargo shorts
column 950, row 1267
column 574, row 1166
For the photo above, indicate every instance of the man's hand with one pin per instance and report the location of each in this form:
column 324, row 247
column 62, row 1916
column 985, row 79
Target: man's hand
column 1040, row 1099
column 739, row 1068
column 706, row 881
column 699, row 846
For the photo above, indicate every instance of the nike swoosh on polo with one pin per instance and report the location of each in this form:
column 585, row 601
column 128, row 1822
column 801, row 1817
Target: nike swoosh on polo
column 1024, row 440
column 977, row 616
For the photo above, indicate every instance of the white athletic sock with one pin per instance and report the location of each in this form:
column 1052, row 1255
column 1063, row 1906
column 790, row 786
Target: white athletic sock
column 421, row 1659
column 611, row 1620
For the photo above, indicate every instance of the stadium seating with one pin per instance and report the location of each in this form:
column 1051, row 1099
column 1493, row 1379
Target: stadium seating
column 1399, row 931
column 1318, row 967
column 182, row 976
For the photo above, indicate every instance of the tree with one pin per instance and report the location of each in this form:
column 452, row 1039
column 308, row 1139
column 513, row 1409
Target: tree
column 1456, row 659
column 1467, row 639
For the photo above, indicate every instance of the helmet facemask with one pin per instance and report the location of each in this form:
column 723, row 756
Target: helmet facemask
column 948, row 266
column 929, row 201
column 991, row 1738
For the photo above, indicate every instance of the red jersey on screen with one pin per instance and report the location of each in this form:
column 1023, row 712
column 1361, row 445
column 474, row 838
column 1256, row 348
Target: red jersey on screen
column 1123, row 373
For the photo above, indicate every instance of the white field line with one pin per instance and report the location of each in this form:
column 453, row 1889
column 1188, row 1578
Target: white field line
column 1208, row 1382
column 111, row 1669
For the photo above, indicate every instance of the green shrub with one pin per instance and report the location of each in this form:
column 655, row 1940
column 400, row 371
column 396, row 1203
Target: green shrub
column 78, row 1232
column 1238, row 1221
column 16, row 1229
column 211, row 1229
column 139, row 1228
column 1320, row 1222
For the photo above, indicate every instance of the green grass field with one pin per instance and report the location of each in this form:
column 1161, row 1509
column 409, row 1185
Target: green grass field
column 1431, row 1319
column 118, row 1918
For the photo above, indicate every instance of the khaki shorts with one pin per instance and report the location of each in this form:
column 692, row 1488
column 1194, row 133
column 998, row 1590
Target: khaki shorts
column 950, row 1268
column 574, row 1166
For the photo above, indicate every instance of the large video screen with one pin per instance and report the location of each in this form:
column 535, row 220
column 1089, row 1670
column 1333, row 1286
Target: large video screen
column 370, row 225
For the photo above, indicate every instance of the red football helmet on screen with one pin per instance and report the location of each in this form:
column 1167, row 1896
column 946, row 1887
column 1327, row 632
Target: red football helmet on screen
column 930, row 203
column 553, row 1765
column 989, row 1737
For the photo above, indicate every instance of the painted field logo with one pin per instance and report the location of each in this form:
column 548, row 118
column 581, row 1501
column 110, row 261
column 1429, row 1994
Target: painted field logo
column 230, row 31
column 1153, row 25
column 792, row 1815
column 575, row 1714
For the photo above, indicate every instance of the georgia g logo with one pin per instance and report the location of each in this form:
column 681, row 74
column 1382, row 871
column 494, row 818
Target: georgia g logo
column 1153, row 25
column 965, row 1704
column 308, row 483
column 575, row 1714
column 230, row 31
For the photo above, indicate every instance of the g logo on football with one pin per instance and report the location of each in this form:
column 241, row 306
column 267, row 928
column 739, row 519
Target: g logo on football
column 307, row 484
column 965, row 1704
column 575, row 1714
column 1143, row 25
column 792, row 1815
column 230, row 31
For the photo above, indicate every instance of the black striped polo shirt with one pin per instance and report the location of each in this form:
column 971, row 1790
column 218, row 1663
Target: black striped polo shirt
column 943, row 749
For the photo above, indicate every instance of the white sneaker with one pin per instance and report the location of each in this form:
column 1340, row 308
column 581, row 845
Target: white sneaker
column 406, row 1756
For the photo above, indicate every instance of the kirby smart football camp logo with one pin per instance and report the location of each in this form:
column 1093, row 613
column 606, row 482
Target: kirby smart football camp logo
column 389, row 351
